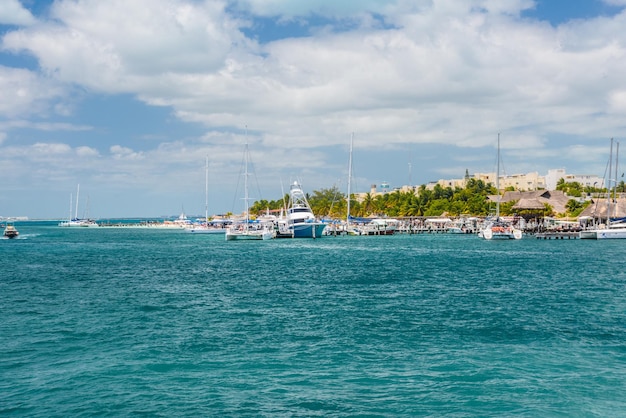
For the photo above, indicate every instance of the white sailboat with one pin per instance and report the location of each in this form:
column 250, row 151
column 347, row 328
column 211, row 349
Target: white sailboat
column 351, row 230
column 76, row 221
column 616, row 230
column 206, row 227
column 245, row 229
column 497, row 228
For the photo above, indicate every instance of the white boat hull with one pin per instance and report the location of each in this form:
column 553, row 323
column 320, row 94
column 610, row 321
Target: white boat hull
column 608, row 233
column 500, row 233
column 250, row 235
column 214, row 231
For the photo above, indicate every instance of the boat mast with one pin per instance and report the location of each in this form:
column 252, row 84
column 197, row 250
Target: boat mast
column 77, row 192
column 245, row 181
column 498, row 182
column 615, row 182
column 608, row 187
column 349, row 179
column 206, row 192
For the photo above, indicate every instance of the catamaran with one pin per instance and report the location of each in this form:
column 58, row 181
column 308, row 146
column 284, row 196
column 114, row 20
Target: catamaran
column 497, row 228
column 247, row 229
column 75, row 221
column 610, row 230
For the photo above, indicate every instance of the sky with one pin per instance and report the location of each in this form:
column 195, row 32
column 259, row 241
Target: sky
column 128, row 99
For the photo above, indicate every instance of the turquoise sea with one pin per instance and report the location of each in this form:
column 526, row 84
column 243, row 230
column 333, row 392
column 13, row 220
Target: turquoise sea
column 119, row 322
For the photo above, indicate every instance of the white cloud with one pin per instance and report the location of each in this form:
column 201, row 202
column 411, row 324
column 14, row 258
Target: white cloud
column 13, row 13
column 50, row 149
column 124, row 153
column 116, row 46
column 398, row 73
column 86, row 152
column 442, row 65
column 24, row 92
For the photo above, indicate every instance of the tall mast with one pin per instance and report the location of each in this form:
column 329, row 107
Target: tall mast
column 615, row 183
column 76, row 211
column 498, row 182
column 245, row 181
column 206, row 192
column 349, row 178
column 608, row 187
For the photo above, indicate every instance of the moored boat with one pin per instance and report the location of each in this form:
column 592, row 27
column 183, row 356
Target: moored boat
column 498, row 228
column 300, row 222
column 245, row 228
column 206, row 227
column 76, row 221
column 379, row 226
column 610, row 230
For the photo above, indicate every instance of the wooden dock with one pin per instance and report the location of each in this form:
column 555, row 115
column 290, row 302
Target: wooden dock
column 557, row 235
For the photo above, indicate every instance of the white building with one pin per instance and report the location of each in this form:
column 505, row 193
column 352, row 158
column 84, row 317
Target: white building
column 554, row 175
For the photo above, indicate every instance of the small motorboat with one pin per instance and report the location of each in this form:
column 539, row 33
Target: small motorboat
column 10, row 232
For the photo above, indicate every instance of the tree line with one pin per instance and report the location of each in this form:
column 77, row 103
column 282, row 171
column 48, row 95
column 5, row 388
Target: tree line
column 471, row 200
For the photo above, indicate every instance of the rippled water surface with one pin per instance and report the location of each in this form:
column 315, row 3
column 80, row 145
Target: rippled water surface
column 142, row 321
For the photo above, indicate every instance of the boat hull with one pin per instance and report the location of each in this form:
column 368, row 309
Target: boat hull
column 308, row 230
column 608, row 233
column 214, row 231
column 499, row 233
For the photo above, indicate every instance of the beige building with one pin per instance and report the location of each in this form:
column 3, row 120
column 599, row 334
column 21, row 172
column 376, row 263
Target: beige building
column 528, row 182
column 522, row 182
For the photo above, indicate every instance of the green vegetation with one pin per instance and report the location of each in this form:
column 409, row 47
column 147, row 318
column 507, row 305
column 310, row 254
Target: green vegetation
column 471, row 200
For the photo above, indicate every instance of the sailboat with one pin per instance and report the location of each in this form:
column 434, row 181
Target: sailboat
column 245, row 229
column 615, row 230
column 350, row 229
column 75, row 221
column 206, row 228
column 497, row 228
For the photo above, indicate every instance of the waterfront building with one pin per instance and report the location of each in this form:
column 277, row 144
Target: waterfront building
column 586, row 180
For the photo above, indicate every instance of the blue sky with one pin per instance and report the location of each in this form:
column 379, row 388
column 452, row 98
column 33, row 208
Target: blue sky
column 127, row 98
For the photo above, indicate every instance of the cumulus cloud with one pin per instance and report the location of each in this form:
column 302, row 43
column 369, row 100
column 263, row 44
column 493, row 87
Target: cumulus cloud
column 119, row 152
column 13, row 13
column 397, row 72
column 24, row 92
column 115, row 46
column 400, row 83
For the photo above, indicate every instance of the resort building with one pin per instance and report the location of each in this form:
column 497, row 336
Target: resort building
column 522, row 182
column 529, row 182
column 586, row 180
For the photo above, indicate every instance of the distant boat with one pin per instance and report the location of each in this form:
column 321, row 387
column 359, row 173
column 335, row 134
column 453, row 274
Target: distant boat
column 205, row 227
column 299, row 222
column 10, row 231
column 380, row 226
column 247, row 229
column 615, row 230
column 498, row 228
column 76, row 221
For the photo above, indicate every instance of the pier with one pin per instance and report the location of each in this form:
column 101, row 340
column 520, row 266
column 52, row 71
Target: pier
column 557, row 235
